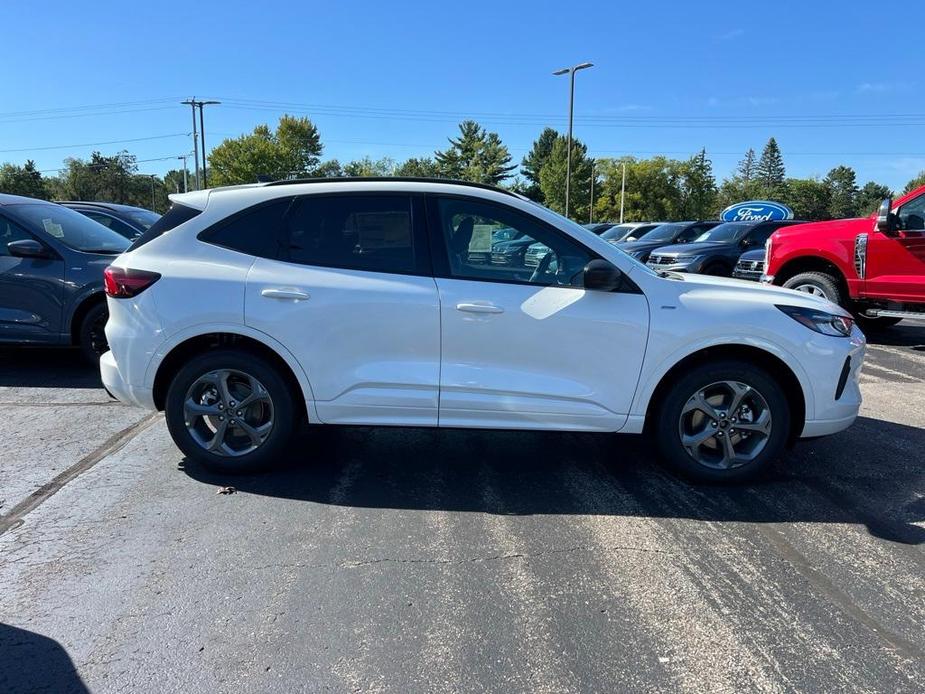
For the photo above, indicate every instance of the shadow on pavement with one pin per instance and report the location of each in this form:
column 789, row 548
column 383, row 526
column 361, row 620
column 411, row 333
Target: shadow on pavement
column 869, row 475
column 30, row 662
column 45, row 367
column 904, row 334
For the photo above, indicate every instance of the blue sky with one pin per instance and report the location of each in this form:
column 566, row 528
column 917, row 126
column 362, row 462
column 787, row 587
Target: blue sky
column 832, row 81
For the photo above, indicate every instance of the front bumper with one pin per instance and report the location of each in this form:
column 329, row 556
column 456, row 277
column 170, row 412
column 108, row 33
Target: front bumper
column 834, row 411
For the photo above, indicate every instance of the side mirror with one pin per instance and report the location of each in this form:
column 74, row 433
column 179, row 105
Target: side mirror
column 602, row 276
column 28, row 248
column 887, row 222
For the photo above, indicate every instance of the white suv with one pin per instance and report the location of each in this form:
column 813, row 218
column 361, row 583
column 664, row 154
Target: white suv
column 248, row 310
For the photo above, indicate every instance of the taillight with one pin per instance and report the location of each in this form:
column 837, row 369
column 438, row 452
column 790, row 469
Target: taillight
column 123, row 283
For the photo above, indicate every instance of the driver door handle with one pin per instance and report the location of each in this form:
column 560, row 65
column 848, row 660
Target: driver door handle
column 479, row 308
column 290, row 293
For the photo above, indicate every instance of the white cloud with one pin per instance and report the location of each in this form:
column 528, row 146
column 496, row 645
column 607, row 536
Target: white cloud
column 881, row 87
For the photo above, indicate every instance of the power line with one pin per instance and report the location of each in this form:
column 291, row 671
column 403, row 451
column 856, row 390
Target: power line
column 92, row 144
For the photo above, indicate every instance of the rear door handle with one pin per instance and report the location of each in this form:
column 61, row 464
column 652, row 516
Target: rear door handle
column 479, row 308
column 290, row 293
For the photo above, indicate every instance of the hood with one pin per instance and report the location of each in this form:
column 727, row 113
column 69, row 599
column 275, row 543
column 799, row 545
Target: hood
column 728, row 289
column 692, row 248
column 757, row 254
column 513, row 245
column 834, row 228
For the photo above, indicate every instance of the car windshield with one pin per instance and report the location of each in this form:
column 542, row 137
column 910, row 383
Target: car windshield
column 665, row 232
column 730, row 231
column 618, row 232
column 143, row 218
column 70, row 228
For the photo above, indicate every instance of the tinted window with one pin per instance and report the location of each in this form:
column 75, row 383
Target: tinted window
column 617, row 232
column 760, row 234
column 255, row 231
column 666, row 232
column 538, row 255
column 912, row 214
column 10, row 232
column 142, row 217
column 68, row 227
column 116, row 225
column 176, row 215
column 357, row 232
column 728, row 231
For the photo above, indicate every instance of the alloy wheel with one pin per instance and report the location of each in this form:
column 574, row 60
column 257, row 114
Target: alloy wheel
column 228, row 412
column 811, row 289
column 725, row 425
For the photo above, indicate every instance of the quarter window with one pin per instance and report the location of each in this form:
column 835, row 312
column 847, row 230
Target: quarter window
column 356, row 232
column 256, row 231
column 496, row 243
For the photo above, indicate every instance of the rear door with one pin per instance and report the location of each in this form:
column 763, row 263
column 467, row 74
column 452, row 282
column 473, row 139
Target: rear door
column 896, row 262
column 31, row 291
column 349, row 291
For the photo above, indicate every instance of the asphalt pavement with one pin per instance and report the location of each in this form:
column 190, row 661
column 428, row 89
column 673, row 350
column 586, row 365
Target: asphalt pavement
column 420, row 560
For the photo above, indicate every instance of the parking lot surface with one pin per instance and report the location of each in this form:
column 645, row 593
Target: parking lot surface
column 422, row 560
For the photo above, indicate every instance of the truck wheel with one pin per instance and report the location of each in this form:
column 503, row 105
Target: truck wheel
column 818, row 284
column 723, row 421
column 231, row 411
column 92, row 335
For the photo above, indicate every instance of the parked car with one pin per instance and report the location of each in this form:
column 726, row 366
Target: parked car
column 873, row 266
column 51, row 275
column 716, row 251
column 664, row 234
column 480, row 251
column 626, row 232
column 750, row 265
column 511, row 253
column 126, row 220
column 599, row 227
column 247, row 310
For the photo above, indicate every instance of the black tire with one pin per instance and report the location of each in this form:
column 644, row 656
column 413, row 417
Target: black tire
column 91, row 338
column 827, row 284
column 284, row 411
column 668, row 423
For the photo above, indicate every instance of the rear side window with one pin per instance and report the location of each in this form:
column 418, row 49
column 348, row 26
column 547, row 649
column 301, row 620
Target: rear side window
column 176, row 215
column 356, row 232
column 255, row 231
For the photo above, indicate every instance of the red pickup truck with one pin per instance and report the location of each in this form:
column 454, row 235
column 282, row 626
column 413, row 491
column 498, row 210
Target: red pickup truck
column 874, row 266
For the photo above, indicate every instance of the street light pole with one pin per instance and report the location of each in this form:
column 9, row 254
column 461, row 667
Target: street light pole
column 183, row 158
column 202, row 140
column 192, row 103
column 571, row 103
column 591, row 205
column 622, row 192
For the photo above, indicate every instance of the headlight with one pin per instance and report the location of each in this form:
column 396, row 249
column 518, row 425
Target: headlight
column 820, row 321
column 767, row 251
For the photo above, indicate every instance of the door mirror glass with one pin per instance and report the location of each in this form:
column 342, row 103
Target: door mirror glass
column 887, row 222
column 602, row 276
column 27, row 248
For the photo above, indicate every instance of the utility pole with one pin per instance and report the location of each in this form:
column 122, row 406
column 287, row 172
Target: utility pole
column 202, row 136
column 622, row 192
column 183, row 158
column 571, row 103
column 192, row 103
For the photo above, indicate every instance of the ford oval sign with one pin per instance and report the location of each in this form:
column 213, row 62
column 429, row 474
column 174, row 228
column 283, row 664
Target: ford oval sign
column 756, row 211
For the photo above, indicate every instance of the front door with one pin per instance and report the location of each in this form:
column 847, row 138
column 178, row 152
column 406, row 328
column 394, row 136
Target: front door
column 350, row 293
column 523, row 344
column 31, row 291
column 896, row 262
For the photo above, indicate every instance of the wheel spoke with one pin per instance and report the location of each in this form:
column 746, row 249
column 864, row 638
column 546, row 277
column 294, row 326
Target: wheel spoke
column 729, row 452
column 197, row 409
column 695, row 440
column 218, row 439
column 222, row 383
column 761, row 425
column 258, row 393
column 739, row 391
column 255, row 434
column 699, row 402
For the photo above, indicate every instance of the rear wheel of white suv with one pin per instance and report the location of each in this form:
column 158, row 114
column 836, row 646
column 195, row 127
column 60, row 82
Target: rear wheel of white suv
column 723, row 421
column 231, row 411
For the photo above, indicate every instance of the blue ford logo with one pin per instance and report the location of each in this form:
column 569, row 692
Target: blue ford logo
column 756, row 211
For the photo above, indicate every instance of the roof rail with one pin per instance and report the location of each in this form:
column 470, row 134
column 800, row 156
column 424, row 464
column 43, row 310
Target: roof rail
column 398, row 179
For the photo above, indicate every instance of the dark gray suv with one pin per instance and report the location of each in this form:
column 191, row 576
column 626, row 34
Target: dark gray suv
column 51, row 275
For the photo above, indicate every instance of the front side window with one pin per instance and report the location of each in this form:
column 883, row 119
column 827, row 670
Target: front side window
column 355, row 232
column 912, row 214
column 536, row 255
column 69, row 228
column 10, row 232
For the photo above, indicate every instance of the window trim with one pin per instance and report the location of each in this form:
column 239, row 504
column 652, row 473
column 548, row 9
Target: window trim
column 440, row 251
column 56, row 253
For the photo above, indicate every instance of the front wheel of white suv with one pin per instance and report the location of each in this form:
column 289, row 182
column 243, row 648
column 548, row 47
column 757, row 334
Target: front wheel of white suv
column 723, row 421
column 231, row 411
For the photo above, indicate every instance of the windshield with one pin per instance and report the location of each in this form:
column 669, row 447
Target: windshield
column 618, row 232
column 143, row 218
column 70, row 228
column 730, row 231
column 665, row 232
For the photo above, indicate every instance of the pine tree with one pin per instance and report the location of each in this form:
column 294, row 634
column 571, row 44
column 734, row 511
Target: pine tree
column 770, row 173
column 746, row 173
column 476, row 155
column 700, row 187
column 533, row 163
column 841, row 183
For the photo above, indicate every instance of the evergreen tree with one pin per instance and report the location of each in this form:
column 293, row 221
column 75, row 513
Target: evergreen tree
column 23, row 180
column 476, row 155
column 770, row 173
column 699, row 187
column 870, row 197
column 916, row 182
column 424, row 167
column 533, row 163
column 553, row 174
column 841, row 183
column 809, row 198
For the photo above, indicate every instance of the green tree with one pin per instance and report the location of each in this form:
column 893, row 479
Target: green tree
column 699, row 187
column 174, row 181
column 369, row 167
column 553, row 174
column 476, row 155
column 328, row 169
column 843, row 192
column 653, row 189
column 916, row 182
column 532, row 164
column 23, row 180
column 423, row 167
column 292, row 151
column 770, row 173
column 110, row 179
column 809, row 198
column 870, row 197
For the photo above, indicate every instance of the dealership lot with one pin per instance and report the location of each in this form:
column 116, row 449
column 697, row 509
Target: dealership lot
column 410, row 559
